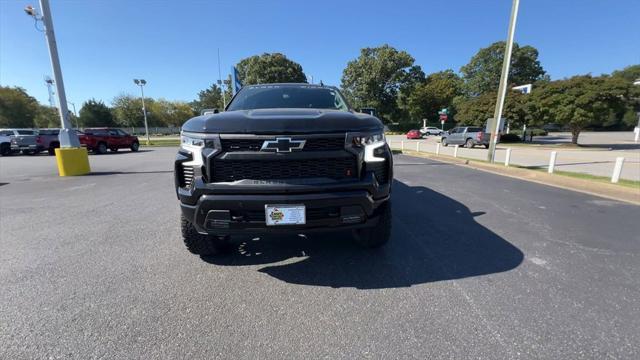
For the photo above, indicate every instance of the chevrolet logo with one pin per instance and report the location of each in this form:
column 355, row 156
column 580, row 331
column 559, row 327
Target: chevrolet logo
column 282, row 145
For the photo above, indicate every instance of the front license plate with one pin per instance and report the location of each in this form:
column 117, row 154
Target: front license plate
column 285, row 215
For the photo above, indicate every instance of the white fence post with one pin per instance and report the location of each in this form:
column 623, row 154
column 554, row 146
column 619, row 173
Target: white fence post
column 438, row 149
column 402, row 145
column 418, row 146
column 617, row 170
column 552, row 161
column 455, row 151
column 507, row 157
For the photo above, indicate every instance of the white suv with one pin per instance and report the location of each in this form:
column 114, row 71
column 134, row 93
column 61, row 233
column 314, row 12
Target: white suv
column 431, row 130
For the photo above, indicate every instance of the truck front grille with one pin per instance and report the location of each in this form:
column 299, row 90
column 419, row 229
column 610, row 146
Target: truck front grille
column 312, row 144
column 333, row 168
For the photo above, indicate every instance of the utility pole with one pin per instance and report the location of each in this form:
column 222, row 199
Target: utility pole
column 502, row 89
column 224, row 96
column 68, row 137
column 636, row 131
column 141, row 83
column 75, row 113
column 70, row 157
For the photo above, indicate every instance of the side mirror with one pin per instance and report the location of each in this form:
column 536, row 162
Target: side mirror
column 209, row 111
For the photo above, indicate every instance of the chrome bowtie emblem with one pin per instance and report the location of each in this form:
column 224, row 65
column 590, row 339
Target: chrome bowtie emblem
column 282, row 145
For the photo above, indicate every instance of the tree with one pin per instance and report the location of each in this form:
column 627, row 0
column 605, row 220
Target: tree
column 127, row 110
column 210, row 98
column 375, row 78
column 48, row 117
column 435, row 93
column 269, row 68
column 582, row 101
column 17, row 108
column 170, row 113
column 482, row 73
column 629, row 73
column 95, row 113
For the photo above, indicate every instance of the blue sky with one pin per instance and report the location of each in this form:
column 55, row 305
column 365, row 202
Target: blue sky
column 173, row 44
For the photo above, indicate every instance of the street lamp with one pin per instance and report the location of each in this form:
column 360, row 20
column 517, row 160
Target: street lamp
column 637, row 129
column 502, row 88
column 75, row 113
column 141, row 83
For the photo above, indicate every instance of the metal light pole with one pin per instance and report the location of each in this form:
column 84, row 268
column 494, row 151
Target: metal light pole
column 68, row 137
column 141, row 83
column 637, row 129
column 502, row 89
column 75, row 113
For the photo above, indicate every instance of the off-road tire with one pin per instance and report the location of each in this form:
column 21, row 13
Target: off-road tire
column 102, row 148
column 200, row 244
column 52, row 148
column 378, row 235
column 5, row 149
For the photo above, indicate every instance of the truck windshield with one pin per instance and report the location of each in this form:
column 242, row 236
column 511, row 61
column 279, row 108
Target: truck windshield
column 283, row 96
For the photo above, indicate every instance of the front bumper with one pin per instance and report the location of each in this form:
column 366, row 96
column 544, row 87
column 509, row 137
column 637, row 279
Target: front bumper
column 222, row 214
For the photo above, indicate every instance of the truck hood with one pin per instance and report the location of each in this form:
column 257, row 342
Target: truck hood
column 283, row 121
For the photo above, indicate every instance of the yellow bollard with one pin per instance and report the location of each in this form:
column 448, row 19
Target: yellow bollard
column 72, row 161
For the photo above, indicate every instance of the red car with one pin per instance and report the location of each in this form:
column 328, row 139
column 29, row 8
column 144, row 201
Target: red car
column 100, row 140
column 414, row 134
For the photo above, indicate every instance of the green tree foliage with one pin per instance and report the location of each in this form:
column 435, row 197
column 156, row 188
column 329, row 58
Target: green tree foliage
column 629, row 73
column 127, row 110
column 48, row 117
column 269, row 68
column 170, row 113
column 584, row 101
column 17, row 108
column 436, row 92
column 210, row 98
column 376, row 77
column 482, row 73
column 95, row 113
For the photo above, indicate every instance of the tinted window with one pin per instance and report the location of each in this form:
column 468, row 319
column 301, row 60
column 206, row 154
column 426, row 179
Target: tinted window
column 6, row 132
column 474, row 129
column 121, row 132
column 283, row 96
column 49, row 132
column 26, row 132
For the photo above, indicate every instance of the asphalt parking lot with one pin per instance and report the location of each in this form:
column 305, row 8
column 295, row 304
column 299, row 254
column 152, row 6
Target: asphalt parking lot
column 479, row 266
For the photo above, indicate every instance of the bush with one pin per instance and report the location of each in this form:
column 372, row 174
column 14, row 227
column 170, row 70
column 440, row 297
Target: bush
column 510, row 138
column 536, row 132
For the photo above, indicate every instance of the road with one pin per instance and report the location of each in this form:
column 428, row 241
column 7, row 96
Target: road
column 479, row 266
column 589, row 160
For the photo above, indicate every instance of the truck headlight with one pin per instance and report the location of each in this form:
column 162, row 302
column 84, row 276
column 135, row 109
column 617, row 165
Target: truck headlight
column 373, row 144
column 189, row 141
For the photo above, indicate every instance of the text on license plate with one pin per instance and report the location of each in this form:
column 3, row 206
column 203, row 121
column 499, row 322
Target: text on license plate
column 285, row 214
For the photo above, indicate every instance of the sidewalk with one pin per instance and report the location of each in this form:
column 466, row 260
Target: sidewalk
column 588, row 161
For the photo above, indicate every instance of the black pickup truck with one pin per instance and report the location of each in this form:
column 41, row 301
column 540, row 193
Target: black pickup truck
column 292, row 158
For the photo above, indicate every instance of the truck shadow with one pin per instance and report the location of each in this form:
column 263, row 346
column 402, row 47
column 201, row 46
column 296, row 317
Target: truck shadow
column 435, row 238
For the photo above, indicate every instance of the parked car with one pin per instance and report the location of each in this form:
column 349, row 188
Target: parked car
column 22, row 140
column 469, row 136
column 431, row 130
column 414, row 134
column 48, row 140
column 5, row 143
column 100, row 140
